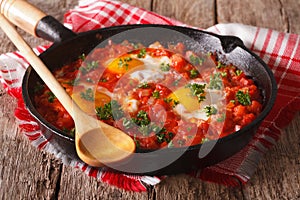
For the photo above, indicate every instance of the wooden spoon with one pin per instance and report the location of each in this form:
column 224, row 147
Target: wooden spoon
column 96, row 142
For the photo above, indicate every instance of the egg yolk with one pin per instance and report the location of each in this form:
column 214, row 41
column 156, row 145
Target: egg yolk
column 123, row 64
column 184, row 96
column 88, row 106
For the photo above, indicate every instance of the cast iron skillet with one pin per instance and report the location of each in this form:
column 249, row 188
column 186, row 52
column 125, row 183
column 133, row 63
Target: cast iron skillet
column 68, row 46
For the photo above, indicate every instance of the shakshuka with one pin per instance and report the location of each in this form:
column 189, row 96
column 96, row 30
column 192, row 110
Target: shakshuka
column 160, row 96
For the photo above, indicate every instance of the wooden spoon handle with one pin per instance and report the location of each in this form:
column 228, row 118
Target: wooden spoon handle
column 22, row 14
column 39, row 66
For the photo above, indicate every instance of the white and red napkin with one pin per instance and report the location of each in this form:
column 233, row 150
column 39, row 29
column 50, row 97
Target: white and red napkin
column 281, row 51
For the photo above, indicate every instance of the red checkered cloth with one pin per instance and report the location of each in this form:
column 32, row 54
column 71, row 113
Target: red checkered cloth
column 280, row 51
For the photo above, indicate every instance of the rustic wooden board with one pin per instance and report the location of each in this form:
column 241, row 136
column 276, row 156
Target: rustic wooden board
column 200, row 13
column 27, row 173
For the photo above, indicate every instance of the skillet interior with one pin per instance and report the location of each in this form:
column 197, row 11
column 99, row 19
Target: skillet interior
column 230, row 50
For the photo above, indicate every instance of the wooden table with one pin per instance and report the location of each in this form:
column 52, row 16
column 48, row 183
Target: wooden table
column 27, row 173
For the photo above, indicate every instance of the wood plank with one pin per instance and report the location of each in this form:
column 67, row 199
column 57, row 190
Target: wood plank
column 278, row 176
column 292, row 14
column 199, row 13
column 20, row 176
column 77, row 185
column 146, row 4
column 186, row 187
column 266, row 13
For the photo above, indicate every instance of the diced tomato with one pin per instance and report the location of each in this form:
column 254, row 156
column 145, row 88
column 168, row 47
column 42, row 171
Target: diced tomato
column 158, row 52
column 247, row 119
column 246, row 82
column 144, row 92
column 255, row 107
column 178, row 62
column 238, row 112
column 148, row 142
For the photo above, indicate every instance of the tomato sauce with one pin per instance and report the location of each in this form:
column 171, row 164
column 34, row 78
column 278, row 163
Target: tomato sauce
column 161, row 97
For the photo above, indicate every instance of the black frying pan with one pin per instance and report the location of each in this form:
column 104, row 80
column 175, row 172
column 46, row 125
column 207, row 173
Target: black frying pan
column 68, row 46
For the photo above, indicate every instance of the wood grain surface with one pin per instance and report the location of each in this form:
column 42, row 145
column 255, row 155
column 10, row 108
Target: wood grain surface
column 28, row 173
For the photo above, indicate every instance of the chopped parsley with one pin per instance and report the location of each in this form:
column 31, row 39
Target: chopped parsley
column 165, row 67
column 220, row 65
column 156, row 94
column 197, row 90
column 144, row 85
column 210, row 110
column 194, row 73
column 243, row 98
column 137, row 143
column 88, row 95
column 215, row 81
column 163, row 136
column 70, row 132
column 170, row 100
column 111, row 110
column 170, row 144
column 144, row 125
column 123, row 62
column 223, row 74
column 221, row 118
column 142, row 118
column 195, row 60
column 160, row 137
column 82, row 57
column 142, row 53
column 89, row 67
column 51, row 97
column 204, row 140
column 103, row 80
column 238, row 72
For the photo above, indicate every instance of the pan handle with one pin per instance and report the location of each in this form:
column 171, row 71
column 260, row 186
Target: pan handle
column 34, row 21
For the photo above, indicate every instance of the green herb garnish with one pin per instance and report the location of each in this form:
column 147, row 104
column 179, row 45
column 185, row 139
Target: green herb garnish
column 194, row 73
column 165, row 67
column 221, row 118
column 210, row 110
column 144, row 85
column 70, row 132
column 82, row 57
column 220, row 65
column 215, row 81
column 156, row 94
column 197, row 90
column 195, row 60
column 223, row 74
column 51, row 97
column 111, row 110
column 142, row 118
column 89, row 67
column 123, row 62
column 243, row 98
column 88, row 95
column 142, row 53
column 238, row 72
